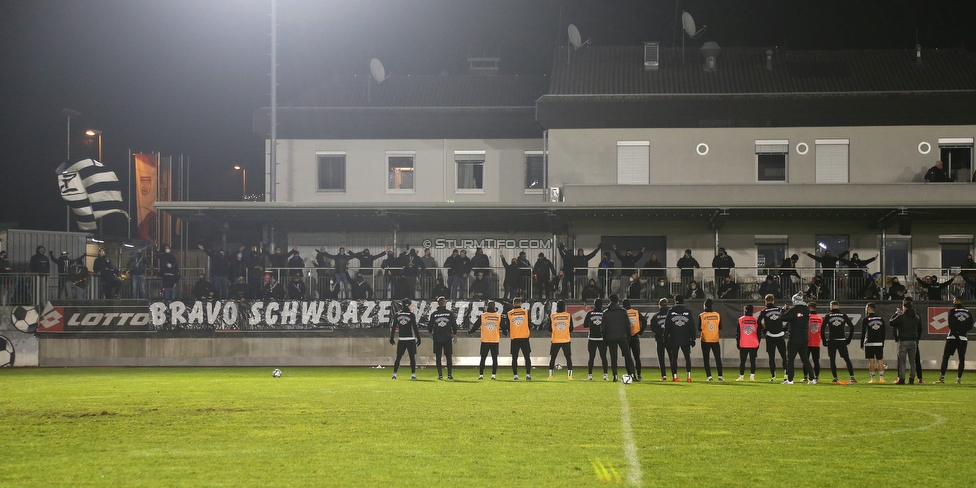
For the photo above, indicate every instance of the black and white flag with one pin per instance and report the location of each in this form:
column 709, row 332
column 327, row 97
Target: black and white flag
column 91, row 190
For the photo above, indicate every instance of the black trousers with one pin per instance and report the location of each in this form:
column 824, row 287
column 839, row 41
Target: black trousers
column 486, row 348
column 813, row 370
column 673, row 353
column 662, row 349
column 918, row 361
column 832, row 350
column 774, row 344
column 409, row 346
column 521, row 345
column 713, row 348
column 567, row 349
column 447, row 349
column 624, row 346
column 635, row 351
column 593, row 347
column 751, row 355
column 792, row 351
column 951, row 347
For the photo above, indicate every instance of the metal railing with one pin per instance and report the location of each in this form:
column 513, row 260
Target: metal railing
column 390, row 283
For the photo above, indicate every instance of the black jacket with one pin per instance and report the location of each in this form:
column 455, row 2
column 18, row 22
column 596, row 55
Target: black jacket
column 680, row 326
column 906, row 326
column 838, row 327
column 442, row 323
column 960, row 322
column 616, row 323
column 797, row 320
column 594, row 322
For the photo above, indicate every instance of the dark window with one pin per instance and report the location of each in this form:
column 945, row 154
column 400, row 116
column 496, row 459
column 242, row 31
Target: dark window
column 535, row 172
column 772, row 167
column 332, row 172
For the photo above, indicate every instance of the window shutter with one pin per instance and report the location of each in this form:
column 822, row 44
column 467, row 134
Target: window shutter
column 833, row 162
column 633, row 163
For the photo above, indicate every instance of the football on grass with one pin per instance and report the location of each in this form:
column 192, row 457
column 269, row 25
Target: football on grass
column 276, row 373
column 627, row 379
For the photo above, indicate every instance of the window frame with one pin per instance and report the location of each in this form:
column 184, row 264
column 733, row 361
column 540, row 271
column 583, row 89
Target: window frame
column 401, row 154
column 784, row 152
column 319, row 156
column 822, row 179
column 469, row 162
column 542, row 188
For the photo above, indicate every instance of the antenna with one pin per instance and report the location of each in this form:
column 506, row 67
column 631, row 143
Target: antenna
column 377, row 70
column 688, row 24
column 575, row 41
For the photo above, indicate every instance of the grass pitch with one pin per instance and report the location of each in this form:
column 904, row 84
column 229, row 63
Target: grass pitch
column 356, row 427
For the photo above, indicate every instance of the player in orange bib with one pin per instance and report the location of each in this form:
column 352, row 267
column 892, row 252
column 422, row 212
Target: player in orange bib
column 490, row 324
column 515, row 324
column 561, row 325
column 711, row 324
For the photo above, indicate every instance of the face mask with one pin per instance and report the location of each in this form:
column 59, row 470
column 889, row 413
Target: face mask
column 239, row 256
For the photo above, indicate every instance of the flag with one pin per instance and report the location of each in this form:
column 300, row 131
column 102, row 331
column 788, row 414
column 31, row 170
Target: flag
column 146, row 183
column 91, row 190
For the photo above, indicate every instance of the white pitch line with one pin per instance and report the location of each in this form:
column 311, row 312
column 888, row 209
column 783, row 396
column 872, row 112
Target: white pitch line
column 630, row 448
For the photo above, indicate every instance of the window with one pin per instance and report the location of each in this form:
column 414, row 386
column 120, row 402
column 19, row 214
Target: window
column 535, row 172
column 633, row 162
column 400, row 177
column 898, row 251
column 332, row 171
column 833, row 160
column 771, row 157
column 770, row 253
column 956, row 154
column 470, row 171
column 955, row 248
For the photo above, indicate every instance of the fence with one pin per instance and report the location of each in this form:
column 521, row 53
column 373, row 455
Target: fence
column 389, row 283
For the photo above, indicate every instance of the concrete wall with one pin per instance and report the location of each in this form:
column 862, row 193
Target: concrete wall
column 434, row 170
column 347, row 351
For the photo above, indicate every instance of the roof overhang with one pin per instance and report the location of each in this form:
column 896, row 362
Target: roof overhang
column 757, row 110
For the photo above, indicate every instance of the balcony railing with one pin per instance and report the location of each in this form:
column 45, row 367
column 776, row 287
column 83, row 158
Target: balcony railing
column 389, row 283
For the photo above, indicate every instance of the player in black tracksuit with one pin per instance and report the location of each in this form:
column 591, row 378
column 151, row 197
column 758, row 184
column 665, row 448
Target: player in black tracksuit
column 872, row 341
column 656, row 324
column 771, row 326
column 594, row 341
column 837, row 338
column 960, row 323
column 680, row 330
column 797, row 321
column 616, row 332
column 406, row 324
column 442, row 323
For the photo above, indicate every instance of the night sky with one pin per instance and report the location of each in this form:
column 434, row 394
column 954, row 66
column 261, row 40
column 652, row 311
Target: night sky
column 183, row 77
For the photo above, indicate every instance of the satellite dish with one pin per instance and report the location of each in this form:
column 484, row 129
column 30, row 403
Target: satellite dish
column 376, row 68
column 688, row 23
column 574, row 37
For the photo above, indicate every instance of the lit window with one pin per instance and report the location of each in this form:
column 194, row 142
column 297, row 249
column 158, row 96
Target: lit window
column 400, row 176
column 470, row 171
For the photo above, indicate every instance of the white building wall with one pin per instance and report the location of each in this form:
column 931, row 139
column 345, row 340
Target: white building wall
column 877, row 154
column 434, row 168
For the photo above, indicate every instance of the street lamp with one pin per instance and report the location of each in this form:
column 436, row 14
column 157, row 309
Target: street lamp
column 243, row 181
column 98, row 133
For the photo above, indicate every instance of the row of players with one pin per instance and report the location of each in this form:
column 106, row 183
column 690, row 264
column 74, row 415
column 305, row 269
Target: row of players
column 789, row 331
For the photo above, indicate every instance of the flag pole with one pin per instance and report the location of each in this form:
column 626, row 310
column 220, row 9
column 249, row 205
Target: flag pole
column 129, row 170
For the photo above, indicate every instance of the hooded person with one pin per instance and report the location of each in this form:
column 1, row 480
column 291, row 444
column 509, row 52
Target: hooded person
column 137, row 266
column 616, row 333
column 681, row 330
column 797, row 321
